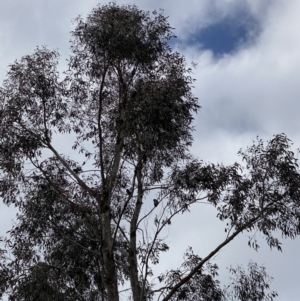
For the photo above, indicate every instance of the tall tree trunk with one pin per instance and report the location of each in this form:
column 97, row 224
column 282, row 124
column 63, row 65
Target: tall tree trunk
column 134, row 278
column 111, row 280
column 107, row 237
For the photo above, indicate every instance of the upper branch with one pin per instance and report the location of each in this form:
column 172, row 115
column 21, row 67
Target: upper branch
column 64, row 163
column 99, row 126
column 208, row 257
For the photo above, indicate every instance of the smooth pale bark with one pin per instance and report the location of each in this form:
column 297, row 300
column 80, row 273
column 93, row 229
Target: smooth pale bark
column 108, row 257
column 107, row 235
column 134, row 279
column 104, row 199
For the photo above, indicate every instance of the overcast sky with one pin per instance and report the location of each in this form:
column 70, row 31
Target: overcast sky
column 248, row 84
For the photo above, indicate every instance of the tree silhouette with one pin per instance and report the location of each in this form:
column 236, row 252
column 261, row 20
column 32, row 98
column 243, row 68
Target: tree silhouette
column 126, row 101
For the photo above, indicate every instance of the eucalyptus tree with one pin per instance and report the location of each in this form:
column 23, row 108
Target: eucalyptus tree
column 126, row 101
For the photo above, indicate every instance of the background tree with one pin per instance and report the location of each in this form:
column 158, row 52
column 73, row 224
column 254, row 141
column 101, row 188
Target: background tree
column 126, row 101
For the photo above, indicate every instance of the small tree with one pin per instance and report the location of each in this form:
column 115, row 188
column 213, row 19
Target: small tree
column 126, row 101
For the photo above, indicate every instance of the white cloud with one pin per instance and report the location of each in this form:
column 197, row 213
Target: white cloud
column 256, row 89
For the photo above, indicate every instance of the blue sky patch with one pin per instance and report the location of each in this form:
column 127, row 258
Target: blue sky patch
column 225, row 36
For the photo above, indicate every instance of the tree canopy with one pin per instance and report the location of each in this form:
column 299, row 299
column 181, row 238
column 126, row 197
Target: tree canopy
column 125, row 105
